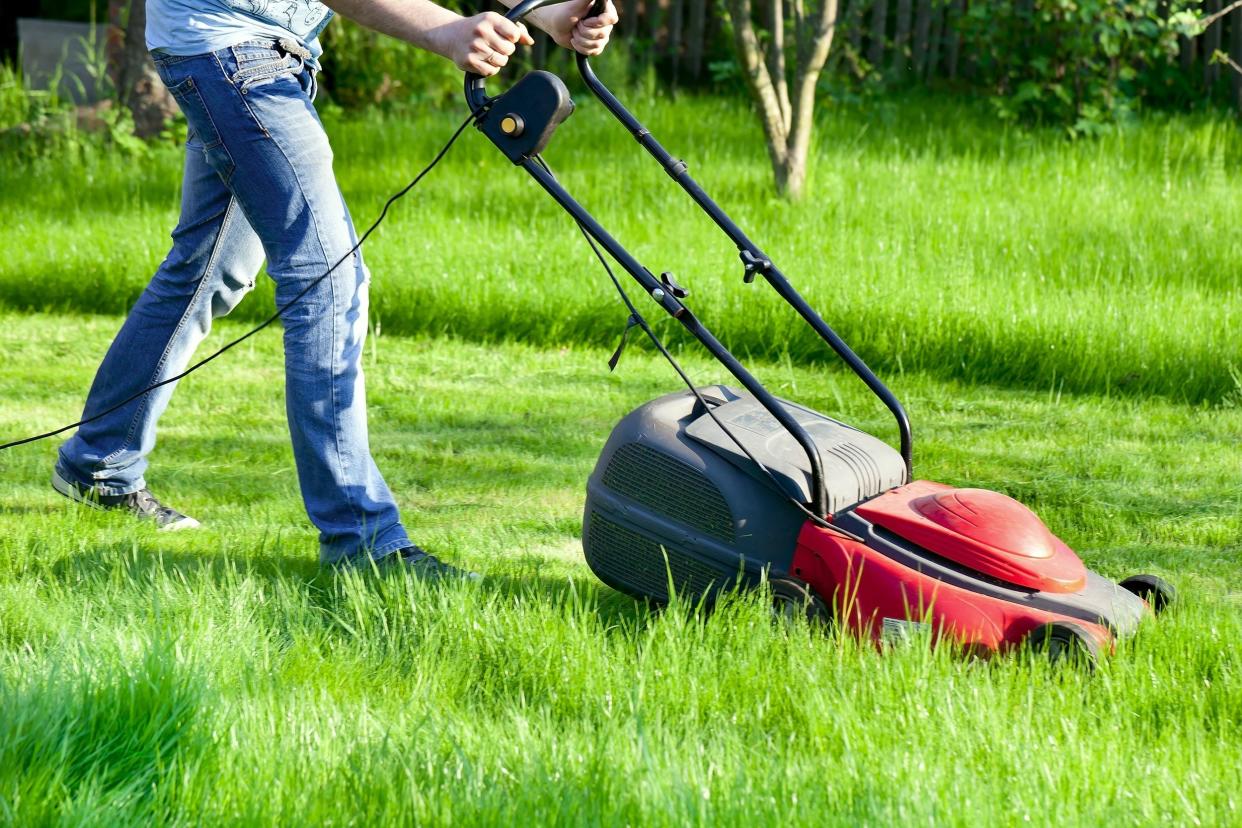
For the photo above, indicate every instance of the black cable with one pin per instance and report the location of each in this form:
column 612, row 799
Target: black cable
column 634, row 314
column 443, row 151
column 642, row 323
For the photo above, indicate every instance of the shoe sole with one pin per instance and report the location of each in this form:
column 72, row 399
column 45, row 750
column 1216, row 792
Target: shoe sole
column 64, row 487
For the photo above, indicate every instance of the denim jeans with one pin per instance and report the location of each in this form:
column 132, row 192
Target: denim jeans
column 258, row 184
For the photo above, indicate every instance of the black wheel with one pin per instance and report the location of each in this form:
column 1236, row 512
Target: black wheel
column 792, row 599
column 1064, row 643
column 1157, row 592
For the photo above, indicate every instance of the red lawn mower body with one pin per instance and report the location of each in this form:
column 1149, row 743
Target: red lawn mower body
column 696, row 492
column 987, row 532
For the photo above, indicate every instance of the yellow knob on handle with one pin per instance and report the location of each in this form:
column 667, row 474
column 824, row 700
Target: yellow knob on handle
column 512, row 125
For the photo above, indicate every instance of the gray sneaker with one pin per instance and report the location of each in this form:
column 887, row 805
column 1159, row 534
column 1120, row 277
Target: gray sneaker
column 427, row 567
column 141, row 504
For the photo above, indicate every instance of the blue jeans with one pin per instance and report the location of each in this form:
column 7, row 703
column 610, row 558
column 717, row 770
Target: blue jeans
column 258, row 183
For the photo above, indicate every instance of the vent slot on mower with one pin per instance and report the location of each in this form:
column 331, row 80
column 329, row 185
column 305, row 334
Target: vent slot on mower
column 654, row 479
column 636, row 564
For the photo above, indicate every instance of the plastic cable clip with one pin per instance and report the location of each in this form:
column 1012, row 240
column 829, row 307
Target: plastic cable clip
column 625, row 335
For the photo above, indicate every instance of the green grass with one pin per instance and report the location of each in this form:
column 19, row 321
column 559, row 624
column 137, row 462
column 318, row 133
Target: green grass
column 217, row 676
column 933, row 240
column 1058, row 318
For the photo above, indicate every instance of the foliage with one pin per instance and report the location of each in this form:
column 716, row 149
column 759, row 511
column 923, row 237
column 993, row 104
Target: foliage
column 34, row 124
column 363, row 68
column 1077, row 63
column 40, row 126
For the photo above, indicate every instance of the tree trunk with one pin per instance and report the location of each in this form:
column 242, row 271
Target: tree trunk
column 787, row 119
column 901, row 40
column 879, row 33
column 776, row 58
column 138, row 87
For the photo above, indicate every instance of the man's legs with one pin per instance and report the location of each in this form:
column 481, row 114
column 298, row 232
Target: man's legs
column 251, row 106
column 212, row 265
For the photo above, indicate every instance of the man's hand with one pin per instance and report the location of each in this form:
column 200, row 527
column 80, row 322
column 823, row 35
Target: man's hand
column 565, row 23
column 482, row 44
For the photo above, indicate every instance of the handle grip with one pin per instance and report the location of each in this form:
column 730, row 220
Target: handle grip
column 476, row 95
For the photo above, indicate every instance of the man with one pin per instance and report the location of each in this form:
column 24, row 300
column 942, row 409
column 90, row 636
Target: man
column 258, row 184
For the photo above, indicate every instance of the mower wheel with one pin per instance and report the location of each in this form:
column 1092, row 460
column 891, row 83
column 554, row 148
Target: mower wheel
column 1157, row 592
column 1064, row 643
column 792, row 598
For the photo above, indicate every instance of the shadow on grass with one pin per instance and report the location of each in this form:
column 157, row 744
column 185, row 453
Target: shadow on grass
column 144, row 564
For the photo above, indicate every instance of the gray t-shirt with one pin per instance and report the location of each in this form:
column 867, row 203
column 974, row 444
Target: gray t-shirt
column 195, row 27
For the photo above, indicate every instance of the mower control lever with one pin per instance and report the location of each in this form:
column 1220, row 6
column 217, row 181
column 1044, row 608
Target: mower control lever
column 753, row 264
column 673, row 287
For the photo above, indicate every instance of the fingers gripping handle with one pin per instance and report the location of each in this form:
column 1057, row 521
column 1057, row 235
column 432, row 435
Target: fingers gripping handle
column 476, row 94
column 598, row 7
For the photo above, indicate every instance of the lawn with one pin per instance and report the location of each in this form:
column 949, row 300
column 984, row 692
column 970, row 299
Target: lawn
column 933, row 239
column 1060, row 320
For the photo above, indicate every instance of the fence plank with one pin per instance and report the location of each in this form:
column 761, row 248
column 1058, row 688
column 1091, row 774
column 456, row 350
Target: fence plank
column 695, row 38
column 1235, row 54
column 901, row 39
column 879, row 32
column 1211, row 43
column 922, row 31
column 676, row 19
column 937, row 39
column 953, row 19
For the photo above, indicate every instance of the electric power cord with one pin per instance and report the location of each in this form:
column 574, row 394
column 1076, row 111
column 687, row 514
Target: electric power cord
column 635, row 317
column 383, row 213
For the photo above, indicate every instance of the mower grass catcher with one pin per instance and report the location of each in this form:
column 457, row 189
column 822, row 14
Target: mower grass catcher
column 707, row 489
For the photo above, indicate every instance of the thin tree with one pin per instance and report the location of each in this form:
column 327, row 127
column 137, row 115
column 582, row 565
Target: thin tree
column 781, row 77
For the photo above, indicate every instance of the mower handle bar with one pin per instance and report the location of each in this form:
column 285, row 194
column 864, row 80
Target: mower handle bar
column 754, row 259
column 756, row 262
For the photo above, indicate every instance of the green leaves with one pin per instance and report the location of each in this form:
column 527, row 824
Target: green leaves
column 1082, row 64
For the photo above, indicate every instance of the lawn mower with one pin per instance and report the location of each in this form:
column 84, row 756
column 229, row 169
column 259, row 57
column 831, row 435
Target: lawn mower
column 715, row 488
